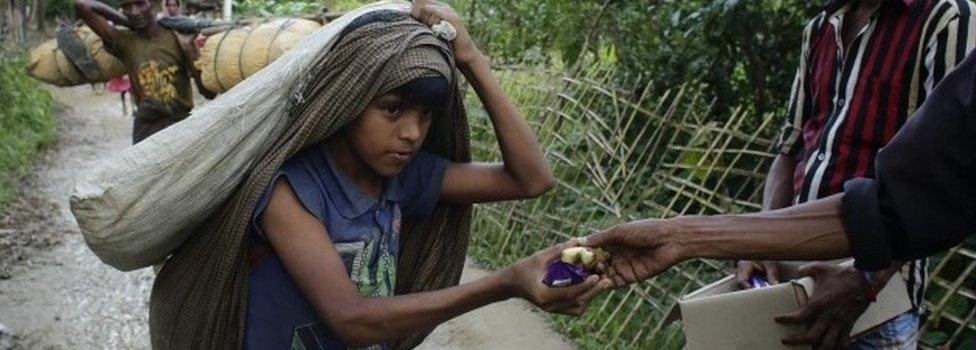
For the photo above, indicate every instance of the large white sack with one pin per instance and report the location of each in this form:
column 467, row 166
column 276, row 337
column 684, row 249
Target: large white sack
column 136, row 207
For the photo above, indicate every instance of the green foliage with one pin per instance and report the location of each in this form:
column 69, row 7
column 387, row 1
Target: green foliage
column 60, row 9
column 56, row 9
column 345, row 5
column 26, row 122
column 272, row 8
column 742, row 52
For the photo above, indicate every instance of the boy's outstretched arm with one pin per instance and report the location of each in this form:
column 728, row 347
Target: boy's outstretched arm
column 97, row 16
column 525, row 172
column 312, row 260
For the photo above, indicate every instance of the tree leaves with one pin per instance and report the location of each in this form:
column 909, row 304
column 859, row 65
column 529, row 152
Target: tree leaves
column 744, row 52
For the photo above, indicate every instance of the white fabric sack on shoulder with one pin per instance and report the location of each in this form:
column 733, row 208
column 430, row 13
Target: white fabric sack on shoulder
column 136, row 207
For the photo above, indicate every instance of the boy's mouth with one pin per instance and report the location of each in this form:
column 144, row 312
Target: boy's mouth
column 402, row 156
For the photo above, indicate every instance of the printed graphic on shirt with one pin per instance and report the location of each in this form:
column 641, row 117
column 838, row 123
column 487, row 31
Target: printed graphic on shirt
column 375, row 279
column 157, row 81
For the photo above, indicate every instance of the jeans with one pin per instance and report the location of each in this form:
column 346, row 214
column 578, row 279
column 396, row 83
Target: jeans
column 900, row 333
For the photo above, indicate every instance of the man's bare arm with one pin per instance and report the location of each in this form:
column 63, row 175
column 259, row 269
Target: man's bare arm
column 777, row 193
column 645, row 248
column 809, row 231
column 778, row 189
column 97, row 16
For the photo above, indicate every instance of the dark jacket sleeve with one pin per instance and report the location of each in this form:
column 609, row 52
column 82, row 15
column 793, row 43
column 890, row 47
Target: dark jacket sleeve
column 923, row 200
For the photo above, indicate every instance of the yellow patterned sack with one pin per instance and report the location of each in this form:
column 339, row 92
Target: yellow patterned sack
column 230, row 57
column 49, row 64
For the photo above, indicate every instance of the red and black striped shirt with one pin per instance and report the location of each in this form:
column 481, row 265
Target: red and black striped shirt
column 848, row 102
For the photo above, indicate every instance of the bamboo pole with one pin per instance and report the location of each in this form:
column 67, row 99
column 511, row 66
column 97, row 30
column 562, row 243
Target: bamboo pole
column 228, row 10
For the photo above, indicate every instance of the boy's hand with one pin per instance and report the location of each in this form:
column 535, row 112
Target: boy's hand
column 747, row 268
column 525, row 281
column 838, row 301
column 431, row 12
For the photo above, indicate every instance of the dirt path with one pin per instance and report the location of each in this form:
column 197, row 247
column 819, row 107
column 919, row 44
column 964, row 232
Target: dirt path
column 503, row 326
column 55, row 294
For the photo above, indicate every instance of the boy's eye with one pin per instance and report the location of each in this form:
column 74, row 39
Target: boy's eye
column 393, row 111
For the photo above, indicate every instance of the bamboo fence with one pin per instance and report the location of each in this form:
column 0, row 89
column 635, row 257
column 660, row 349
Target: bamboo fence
column 620, row 154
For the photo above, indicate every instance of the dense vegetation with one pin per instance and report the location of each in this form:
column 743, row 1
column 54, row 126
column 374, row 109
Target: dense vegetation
column 26, row 122
column 742, row 52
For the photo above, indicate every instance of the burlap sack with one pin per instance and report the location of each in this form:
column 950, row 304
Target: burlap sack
column 230, row 57
column 135, row 207
column 50, row 65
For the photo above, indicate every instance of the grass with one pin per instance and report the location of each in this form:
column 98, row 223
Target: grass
column 26, row 123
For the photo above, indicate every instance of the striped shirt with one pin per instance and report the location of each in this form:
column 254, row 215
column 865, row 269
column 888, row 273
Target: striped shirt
column 848, row 102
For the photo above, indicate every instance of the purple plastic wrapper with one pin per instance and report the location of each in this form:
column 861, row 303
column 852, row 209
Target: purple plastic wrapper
column 758, row 281
column 563, row 274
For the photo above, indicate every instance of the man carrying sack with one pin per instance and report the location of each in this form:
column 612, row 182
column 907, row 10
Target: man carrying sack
column 159, row 64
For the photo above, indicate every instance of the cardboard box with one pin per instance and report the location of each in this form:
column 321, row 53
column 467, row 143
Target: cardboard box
column 720, row 316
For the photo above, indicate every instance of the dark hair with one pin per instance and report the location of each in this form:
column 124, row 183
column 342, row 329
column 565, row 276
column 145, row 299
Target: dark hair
column 430, row 92
column 372, row 17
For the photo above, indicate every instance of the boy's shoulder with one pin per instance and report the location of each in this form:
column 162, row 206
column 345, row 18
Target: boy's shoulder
column 308, row 175
column 309, row 162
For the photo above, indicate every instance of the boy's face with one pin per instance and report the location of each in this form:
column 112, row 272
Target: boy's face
column 388, row 133
column 139, row 13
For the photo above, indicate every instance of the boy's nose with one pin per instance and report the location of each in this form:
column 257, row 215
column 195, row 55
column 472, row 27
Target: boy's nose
column 411, row 129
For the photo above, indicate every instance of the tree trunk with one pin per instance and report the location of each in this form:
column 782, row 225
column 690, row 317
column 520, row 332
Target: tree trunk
column 25, row 20
column 3, row 23
column 39, row 10
column 589, row 35
column 755, row 72
column 11, row 28
column 14, row 27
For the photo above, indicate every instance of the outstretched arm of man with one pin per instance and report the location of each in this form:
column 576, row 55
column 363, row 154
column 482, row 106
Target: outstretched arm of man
column 645, row 248
column 97, row 16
